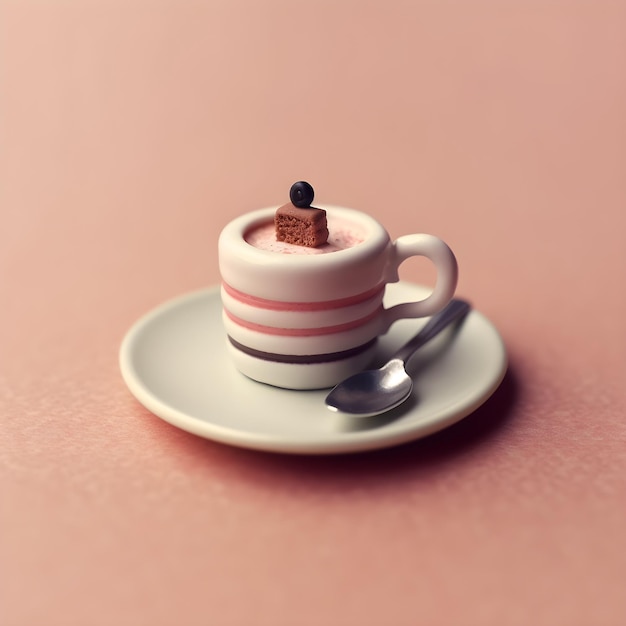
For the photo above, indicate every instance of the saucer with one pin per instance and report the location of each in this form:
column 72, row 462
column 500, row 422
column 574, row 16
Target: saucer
column 174, row 361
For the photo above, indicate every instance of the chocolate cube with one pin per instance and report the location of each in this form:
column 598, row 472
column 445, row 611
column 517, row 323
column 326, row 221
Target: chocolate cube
column 302, row 227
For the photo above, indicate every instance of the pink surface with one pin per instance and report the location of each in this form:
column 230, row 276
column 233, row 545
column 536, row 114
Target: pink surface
column 132, row 131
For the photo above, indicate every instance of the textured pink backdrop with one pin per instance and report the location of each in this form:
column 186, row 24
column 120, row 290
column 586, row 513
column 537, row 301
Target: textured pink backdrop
column 130, row 132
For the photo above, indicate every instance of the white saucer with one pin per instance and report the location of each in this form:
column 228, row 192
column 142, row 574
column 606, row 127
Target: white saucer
column 175, row 363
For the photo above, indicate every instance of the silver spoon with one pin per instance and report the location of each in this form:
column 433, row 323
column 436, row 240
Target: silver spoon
column 375, row 391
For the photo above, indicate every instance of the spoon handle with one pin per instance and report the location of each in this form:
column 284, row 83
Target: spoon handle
column 456, row 309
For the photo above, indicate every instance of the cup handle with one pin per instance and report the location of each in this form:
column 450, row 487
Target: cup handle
column 445, row 263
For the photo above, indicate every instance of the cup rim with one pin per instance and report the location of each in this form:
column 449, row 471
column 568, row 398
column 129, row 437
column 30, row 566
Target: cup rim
column 233, row 234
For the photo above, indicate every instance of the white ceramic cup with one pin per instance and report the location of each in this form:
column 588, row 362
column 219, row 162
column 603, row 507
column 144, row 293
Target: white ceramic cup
column 309, row 319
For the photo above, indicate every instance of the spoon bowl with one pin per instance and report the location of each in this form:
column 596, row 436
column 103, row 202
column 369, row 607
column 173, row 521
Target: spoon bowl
column 391, row 382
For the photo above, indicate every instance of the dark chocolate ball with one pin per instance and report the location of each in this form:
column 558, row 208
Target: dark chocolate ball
column 301, row 194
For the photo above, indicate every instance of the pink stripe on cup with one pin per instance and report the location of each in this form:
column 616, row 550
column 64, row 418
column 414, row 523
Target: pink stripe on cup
column 303, row 332
column 276, row 305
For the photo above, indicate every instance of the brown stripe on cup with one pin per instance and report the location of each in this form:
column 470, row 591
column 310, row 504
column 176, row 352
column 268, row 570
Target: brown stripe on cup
column 305, row 359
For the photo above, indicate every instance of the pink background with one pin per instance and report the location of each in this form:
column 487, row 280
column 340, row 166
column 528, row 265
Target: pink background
column 131, row 132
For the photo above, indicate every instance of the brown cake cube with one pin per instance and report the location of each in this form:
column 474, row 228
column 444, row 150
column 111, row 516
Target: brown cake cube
column 302, row 227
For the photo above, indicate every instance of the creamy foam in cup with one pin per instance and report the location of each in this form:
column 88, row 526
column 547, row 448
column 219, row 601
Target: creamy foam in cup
column 343, row 234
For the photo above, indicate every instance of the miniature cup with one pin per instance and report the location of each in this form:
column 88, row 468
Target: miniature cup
column 310, row 318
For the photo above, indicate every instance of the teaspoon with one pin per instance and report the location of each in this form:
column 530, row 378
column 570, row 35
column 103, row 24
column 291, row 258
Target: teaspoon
column 372, row 392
